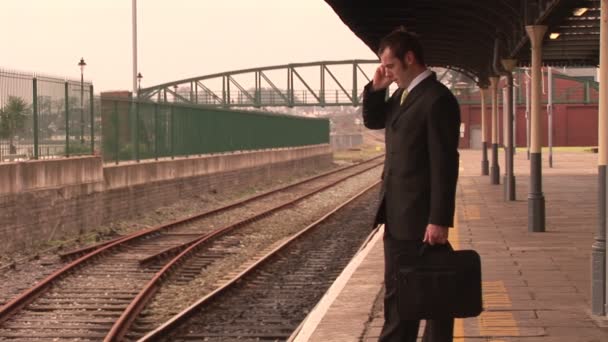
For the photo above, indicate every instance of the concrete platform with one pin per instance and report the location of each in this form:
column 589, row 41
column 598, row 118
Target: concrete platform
column 536, row 285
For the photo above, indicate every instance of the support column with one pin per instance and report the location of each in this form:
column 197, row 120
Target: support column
column 599, row 281
column 527, row 115
column 509, row 64
column 536, row 198
column 485, row 165
column 515, row 116
column 550, row 114
column 495, row 169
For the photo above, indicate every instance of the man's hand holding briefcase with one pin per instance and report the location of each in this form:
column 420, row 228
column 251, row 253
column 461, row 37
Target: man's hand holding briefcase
column 438, row 283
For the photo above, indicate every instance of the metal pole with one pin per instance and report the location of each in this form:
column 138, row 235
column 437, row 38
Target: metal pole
column 322, row 80
column 156, row 134
column 505, row 109
column 604, row 111
column 536, row 198
column 81, row 107
column 509, row 193
column 67, row 121
column 224, row 97
column 172, row 114
column 35, row 115
column 355, row 100
column 495, row 168
column 259, row 89
column 136, row 131
column 514, row 111
column 134, row 22
column 91, row 109
column 599, row 282
column 527, row 115
column 485, row 166
column 291, row 90
column 139, row 77
column 228, row 99
column 550, row 113
column 116, row 132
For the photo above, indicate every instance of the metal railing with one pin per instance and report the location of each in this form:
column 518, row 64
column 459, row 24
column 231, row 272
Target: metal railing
column 136, row 130
column 45, row 117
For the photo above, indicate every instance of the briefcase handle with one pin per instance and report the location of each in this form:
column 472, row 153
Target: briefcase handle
column 426, row 246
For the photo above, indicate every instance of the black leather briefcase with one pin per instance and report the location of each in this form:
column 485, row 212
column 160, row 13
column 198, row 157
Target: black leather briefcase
column 439, row 283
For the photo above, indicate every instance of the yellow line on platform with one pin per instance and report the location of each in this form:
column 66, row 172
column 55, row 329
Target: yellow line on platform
column 458, row 322
column 495, row 296
column 497, row 323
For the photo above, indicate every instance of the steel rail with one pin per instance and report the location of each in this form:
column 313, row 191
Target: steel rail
column 84, row 250
column 172, row 323
column 122, row 325
column 29, row 295
column 176, row 249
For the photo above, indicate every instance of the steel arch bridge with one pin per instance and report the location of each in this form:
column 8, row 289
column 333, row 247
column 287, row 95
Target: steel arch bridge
column 325, row 83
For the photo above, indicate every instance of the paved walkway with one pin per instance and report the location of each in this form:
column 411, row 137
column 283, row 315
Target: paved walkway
column 536, row 285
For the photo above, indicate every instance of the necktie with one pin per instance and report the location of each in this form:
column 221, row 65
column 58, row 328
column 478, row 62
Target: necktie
column 403, row 96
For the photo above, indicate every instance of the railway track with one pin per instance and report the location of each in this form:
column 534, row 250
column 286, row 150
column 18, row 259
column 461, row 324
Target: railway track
column 308, row 182
column 98, row 295
column 269, row 300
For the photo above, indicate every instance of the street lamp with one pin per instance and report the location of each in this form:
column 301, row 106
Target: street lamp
column 139, row 77
column 82, row 64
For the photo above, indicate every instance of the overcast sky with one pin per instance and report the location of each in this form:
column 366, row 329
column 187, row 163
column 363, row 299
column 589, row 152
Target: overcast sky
column 176, row 39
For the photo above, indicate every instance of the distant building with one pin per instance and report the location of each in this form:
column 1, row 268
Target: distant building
column 584, row 73
column 117, row 94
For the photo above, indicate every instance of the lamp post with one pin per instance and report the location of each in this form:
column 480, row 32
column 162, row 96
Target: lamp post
column 134, row 23
column 82, row 64
column 139, row 77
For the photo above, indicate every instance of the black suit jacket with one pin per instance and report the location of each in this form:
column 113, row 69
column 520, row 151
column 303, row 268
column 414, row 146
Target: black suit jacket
column 421, row 165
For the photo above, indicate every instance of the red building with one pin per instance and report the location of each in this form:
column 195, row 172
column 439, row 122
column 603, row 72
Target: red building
column 575, row 112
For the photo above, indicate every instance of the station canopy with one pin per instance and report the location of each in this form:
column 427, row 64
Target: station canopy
column 463, row 34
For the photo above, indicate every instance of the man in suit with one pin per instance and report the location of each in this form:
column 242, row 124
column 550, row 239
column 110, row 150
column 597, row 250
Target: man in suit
column 422, row 126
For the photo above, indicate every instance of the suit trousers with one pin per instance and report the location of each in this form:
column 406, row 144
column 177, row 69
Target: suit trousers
column 395, row 329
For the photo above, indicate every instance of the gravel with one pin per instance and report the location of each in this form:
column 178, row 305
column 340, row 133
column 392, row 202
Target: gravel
column 21, row 270
column 250, row 243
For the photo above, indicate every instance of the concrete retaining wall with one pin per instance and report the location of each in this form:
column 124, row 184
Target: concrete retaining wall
column 43, row 174
column 60, row 199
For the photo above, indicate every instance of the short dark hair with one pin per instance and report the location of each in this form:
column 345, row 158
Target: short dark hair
column 400, row 42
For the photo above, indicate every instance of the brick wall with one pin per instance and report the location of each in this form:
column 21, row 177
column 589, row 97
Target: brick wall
column 33, row 216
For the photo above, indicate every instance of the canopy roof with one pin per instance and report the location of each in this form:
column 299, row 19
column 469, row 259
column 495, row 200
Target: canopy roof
column 461, row 34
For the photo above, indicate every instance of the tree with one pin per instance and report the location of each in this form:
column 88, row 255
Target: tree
column 12, row 119
column 46, row 118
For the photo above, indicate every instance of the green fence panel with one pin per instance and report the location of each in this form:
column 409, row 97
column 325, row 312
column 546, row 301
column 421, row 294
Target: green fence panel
column 147, row 130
